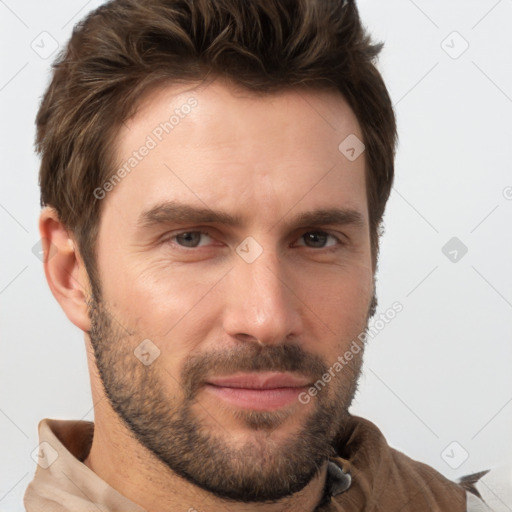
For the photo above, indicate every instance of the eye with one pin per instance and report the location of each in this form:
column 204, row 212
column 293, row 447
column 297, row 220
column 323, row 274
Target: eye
column 190, row 239
column 319, row 239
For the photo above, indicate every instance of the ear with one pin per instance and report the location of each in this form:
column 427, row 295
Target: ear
column 64, row 269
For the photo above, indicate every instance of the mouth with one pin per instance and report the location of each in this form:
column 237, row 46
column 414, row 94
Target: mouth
column 262, row 391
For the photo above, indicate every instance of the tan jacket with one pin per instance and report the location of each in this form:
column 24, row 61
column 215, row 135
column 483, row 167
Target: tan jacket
column 368, row 476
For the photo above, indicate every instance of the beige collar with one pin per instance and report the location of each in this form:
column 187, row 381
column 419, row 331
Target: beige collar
column 62, row 482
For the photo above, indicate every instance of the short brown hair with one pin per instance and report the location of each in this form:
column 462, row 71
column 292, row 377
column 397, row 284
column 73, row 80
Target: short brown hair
column 125, row 47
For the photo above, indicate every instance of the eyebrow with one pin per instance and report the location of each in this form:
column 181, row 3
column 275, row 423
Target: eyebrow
column 172, row 212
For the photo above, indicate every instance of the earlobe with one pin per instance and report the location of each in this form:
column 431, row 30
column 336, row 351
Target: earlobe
column 64, row 269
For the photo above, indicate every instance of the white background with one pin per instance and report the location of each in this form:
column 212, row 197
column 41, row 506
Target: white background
column 438, row 373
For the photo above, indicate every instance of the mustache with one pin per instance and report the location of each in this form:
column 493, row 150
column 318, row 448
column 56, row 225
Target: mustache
column 250, row 357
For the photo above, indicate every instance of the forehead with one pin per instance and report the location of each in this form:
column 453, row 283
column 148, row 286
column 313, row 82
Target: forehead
column 225, row 148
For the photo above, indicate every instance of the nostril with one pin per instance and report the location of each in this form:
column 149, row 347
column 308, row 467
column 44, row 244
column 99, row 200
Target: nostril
column 247, row 337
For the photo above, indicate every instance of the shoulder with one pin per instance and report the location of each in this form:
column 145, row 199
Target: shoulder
column 386, row 476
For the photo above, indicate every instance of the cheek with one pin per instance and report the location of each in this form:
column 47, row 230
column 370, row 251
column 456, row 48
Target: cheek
column 340, row 306
column 170, row 304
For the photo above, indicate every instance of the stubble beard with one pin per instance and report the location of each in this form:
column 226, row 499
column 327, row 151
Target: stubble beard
column 266, row 468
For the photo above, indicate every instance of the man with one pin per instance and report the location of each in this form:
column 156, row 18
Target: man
column 214, row 175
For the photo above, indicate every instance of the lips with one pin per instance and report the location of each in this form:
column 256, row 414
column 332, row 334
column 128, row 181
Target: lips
column 263, row 391
column 262, row 380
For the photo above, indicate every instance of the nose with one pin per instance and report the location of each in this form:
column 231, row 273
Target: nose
column 262, row 302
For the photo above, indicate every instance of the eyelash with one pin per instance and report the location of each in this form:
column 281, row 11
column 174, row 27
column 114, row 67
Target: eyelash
column 172, row 239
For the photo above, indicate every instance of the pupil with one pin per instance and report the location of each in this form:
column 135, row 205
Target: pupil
column 316, row 239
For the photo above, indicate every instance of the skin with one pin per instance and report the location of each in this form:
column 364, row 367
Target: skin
column 265, row 159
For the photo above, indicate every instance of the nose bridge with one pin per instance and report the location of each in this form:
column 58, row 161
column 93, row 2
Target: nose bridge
column 261, row 304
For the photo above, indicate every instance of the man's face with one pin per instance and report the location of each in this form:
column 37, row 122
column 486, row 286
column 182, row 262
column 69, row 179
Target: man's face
column 237, row 245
